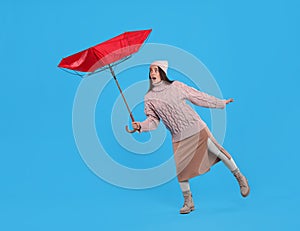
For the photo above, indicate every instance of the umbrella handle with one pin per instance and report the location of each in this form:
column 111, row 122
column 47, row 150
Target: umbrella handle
column 130, row 131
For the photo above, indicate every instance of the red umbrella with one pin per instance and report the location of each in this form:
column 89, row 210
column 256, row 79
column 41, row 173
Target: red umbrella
column 105, row 55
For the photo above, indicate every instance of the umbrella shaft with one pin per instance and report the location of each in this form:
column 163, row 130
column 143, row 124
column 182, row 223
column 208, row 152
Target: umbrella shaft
column 113, row 74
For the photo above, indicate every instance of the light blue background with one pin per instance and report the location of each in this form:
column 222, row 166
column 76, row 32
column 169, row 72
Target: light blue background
column 252, row 49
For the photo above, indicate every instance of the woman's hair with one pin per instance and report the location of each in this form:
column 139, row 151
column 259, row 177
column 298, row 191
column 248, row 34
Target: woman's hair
column 163, row 77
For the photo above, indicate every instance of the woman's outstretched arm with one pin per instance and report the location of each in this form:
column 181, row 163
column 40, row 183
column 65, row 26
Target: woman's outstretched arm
column 200, row 98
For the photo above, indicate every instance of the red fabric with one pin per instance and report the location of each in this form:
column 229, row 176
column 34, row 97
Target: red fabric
column 106, row 53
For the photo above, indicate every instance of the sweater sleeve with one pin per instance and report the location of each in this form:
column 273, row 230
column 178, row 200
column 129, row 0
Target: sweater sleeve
column 152, row 121
column 200, row 98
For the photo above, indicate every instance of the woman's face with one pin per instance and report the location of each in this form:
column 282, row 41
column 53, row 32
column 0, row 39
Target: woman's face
column 154, row 74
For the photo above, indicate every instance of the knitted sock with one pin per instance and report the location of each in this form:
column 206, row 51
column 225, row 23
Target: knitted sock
column 185, row 186
column 228, row 162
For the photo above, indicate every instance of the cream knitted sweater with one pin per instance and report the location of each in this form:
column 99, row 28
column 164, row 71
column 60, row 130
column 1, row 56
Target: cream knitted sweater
column 167, row 102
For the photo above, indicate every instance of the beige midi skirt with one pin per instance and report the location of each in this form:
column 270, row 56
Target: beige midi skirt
column 192, row 157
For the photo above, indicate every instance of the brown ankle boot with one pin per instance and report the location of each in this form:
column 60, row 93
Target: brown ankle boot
column 244, row 186
column 188, row 205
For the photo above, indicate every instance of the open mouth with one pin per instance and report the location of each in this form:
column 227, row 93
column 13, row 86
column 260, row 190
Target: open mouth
column 153, row 78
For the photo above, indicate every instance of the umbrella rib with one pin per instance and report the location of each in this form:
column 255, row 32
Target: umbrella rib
column 72, row 73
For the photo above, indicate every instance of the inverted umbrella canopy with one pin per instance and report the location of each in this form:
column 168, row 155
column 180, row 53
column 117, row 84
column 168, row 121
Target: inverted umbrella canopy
column 106, row 53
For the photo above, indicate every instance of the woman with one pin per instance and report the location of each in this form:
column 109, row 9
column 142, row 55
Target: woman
column 195, row 149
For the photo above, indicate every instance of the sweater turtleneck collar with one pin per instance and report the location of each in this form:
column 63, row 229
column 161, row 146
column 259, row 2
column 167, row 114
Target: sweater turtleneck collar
column 160, row 86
